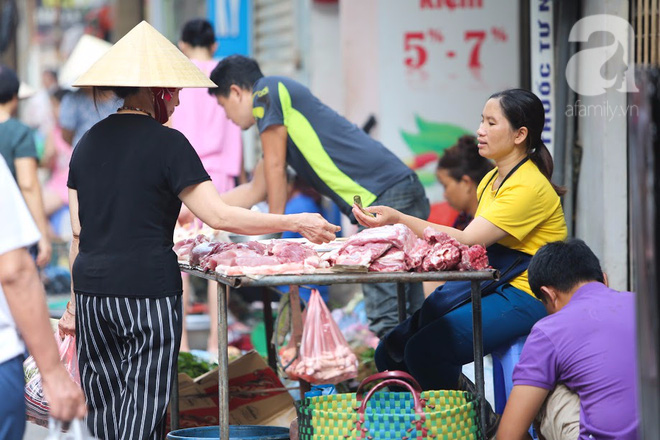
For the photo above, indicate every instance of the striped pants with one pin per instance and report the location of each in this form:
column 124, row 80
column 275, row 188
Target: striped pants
column 127, row 351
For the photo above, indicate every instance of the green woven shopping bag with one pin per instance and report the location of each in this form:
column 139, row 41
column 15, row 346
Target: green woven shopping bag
column 390, row 415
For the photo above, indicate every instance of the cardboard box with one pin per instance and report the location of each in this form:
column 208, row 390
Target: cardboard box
column 256, row 396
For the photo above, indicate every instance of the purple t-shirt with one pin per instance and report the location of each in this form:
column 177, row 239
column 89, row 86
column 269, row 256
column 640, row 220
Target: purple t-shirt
column 589, row 346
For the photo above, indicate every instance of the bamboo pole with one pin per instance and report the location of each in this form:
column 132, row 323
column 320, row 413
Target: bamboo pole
column 654, row 32
column 646, row 33
column 638, row 33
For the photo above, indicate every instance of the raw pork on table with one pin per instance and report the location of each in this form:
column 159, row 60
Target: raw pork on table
column 250, row 258
column 393, row 248
column 396, row 248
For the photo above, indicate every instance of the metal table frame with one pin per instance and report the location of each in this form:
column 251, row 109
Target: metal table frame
column 329, row 278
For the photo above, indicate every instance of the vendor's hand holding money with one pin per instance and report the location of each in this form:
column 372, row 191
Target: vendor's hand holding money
column 384, row 216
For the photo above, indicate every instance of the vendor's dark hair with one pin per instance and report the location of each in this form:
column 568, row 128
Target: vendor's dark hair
column 58, row 94
column 9, row 84
column 120, row 92
column 563, row 265
column 523, row 108
column 235, row 70
column 463, row 159
column 198, row 33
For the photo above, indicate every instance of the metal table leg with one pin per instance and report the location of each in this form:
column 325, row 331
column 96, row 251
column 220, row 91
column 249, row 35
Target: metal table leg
column 478, row 350
column 174, row 400
column 296, row 329
column 268, row 324
column 401, row 301
column 223, row 361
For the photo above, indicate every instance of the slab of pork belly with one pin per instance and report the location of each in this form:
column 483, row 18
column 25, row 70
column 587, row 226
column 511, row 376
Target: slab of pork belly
column 294, row 252
column 394, row 260
column 183, row 248
column 399, row 236
column 361, row 255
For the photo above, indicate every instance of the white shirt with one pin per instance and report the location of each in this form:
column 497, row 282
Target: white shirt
column 17, row 230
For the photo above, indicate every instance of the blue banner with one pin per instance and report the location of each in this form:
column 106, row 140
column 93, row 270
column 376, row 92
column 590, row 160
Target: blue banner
column 232, row 20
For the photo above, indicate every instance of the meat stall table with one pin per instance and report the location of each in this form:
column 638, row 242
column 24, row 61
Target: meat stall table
column 328, row 277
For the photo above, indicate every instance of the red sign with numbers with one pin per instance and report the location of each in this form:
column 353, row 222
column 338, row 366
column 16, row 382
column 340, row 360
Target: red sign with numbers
column 439, row 62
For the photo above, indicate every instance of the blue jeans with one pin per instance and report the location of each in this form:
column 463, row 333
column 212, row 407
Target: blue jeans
column 435, row 354
column 380, row 300
column 12, row 404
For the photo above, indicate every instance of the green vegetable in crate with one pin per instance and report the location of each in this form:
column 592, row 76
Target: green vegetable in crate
column 193, row 366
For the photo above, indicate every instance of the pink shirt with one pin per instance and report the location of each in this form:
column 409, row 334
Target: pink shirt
column 60, row 172
column 216, row 139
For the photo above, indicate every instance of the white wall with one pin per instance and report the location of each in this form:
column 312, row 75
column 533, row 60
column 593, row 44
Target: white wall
column 325, row 74
column 602, row 193
column 358, row 24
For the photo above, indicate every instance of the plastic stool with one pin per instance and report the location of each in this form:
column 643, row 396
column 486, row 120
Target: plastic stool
column 61, row 223
column 504, row 361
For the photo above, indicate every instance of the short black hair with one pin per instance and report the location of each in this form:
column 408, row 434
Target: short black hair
column 463, row 159
column 236, row 70
column 198, row 33
column 9, row 84
column 563, row 265
column 120, row 92
column 98, row 92
column 58, row 94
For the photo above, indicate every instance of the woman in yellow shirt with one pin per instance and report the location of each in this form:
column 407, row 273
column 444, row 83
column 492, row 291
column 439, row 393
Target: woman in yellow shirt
column 519, row 211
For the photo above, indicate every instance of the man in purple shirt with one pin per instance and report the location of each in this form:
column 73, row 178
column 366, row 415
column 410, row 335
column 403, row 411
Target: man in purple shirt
column 581, row 359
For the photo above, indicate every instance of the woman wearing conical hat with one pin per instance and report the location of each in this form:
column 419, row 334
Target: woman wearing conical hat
column 127, row 179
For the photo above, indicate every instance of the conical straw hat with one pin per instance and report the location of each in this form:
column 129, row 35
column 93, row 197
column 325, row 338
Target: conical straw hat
column 86, row 52
column 144, row 58
column 25, row 91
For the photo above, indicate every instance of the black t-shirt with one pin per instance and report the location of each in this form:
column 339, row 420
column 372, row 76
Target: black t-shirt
column 128, row 170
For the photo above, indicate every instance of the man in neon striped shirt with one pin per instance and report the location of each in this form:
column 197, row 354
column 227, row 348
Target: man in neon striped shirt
column 331, row 154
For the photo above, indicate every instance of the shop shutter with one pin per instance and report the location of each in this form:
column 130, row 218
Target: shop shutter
column 275, row 38
column 644, row 18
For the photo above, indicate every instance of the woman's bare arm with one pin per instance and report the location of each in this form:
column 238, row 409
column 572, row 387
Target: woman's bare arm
column 207, row 205
column 479, row 231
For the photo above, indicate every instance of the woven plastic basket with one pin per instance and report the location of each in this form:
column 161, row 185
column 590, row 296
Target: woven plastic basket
column 390, row 415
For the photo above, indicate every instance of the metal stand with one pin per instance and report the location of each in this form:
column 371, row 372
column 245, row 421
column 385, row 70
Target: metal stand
column 337, row 278
column 223, row 362
column 297, row 328
column 478, row 351
column 401, row 301
column 268, row 324
column 174, row 404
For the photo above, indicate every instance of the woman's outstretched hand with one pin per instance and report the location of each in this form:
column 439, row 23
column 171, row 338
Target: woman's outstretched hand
column 315, row 228
column 384, row 216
